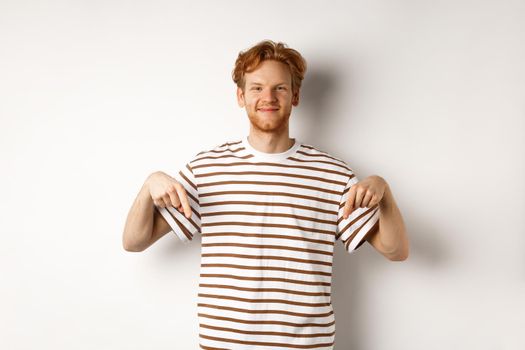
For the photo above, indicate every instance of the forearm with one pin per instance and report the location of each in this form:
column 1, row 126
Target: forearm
column 392, row 231
column 139, row 223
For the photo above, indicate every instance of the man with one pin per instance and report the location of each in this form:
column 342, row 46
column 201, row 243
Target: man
column 269, row 209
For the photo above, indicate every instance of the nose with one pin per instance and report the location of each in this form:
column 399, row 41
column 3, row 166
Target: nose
column 268, row 95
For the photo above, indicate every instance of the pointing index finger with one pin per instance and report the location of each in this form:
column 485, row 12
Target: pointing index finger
column 349, row 205
column 184, row 200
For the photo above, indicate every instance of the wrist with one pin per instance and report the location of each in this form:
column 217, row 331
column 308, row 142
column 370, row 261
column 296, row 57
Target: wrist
column 386, row 201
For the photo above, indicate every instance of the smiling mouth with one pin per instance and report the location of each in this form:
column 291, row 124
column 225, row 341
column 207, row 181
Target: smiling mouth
column 268, row 109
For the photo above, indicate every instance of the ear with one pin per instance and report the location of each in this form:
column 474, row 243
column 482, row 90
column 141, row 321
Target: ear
column 295, row 98
column 240, row 97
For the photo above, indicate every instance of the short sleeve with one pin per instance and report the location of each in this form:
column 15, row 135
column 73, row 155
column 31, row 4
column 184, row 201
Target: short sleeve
column 185, row 228
column 354, row 230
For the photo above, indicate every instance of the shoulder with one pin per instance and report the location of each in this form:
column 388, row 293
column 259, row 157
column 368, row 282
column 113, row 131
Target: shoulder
column 216, row 150
column 329, row 160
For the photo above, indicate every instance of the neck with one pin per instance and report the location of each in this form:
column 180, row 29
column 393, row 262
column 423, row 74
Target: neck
column 270, row 142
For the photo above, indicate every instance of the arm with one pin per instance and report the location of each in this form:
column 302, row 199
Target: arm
column 144, row 225
column 390, row 237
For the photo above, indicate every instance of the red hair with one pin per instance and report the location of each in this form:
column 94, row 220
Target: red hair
column 249, row 60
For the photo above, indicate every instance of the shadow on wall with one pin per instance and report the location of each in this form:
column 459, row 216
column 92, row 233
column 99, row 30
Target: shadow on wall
column 317, row 90
column 350, row 282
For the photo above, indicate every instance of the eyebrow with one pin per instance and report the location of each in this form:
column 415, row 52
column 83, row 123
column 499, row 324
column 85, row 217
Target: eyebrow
column 257, row 83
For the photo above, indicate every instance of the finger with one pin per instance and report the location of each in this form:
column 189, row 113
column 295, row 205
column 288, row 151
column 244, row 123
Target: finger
column 160, row 202
column 366, row 199
column 174, row 199
column 167, row 200
column 370, row 203
column 184, row 200
column 360, row 193
column 349, row 205
column 373, row 201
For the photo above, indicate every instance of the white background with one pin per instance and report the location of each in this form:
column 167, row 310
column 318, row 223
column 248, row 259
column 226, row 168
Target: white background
column 96, row 95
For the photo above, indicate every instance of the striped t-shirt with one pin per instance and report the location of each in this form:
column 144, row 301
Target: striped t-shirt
column 268, row 223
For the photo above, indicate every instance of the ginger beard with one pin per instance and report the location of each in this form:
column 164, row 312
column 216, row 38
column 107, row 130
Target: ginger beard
column 274, row 122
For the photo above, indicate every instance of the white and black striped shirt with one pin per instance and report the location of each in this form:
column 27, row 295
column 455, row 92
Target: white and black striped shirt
column 268, row 224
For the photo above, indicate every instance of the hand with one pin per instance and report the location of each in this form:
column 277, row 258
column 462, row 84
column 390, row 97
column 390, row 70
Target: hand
column 166, row 191
column 365, row 193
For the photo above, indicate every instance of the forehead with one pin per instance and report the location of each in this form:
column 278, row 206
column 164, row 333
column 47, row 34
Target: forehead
column 270, row 72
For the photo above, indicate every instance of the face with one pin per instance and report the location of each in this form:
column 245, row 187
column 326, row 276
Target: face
column 268, row 96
